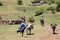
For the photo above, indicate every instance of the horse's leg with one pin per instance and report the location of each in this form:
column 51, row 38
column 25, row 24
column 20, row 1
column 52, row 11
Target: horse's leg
column 29, row 31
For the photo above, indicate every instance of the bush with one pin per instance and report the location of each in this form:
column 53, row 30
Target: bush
column 1, row 4
column 39, row 12
column 0, row 17
column 53, row 1
column 52, row 8
column 49, row 3
column 57, row 1
column 19, row 2
column 58, row 7
column 37, row 0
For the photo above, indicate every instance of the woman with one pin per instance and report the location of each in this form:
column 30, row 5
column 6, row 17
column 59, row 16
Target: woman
column 21, row 28
column 42, row 20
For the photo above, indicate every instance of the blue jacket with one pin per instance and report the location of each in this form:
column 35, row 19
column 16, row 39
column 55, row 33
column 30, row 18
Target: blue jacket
column 22, row 27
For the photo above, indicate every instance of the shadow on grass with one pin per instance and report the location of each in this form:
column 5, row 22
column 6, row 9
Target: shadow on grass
column 31, row 34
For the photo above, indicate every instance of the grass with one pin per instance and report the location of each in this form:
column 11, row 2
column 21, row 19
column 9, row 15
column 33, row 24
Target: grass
column 11, row 10
column 8, row 32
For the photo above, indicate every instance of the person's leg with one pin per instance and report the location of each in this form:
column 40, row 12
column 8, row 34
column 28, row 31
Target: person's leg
column 42, row 22
column 30, row 31
column 18, row 31
column 27, row 31
column 22, row 33
column 53, row 28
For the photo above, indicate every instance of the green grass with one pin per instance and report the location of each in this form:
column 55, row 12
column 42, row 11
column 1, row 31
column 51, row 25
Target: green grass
column 12, row 11
column 8, row 32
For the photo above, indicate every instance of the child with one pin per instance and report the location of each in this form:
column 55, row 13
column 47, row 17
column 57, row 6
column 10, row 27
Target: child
column 53, row 26
column 42, row 20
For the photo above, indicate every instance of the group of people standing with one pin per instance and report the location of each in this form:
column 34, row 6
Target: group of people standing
column 30, row 24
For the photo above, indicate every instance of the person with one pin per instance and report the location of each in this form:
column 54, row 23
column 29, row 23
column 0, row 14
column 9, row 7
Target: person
column 31, row 19
column 24, row 10
column 53, row 26
column 22, row 18
column 21, row 27
column 42, row 20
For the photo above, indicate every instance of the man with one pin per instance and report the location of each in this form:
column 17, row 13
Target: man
column 42, row 20
column 22, row 27
column 53, row 26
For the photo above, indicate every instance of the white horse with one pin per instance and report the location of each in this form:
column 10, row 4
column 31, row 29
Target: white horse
column 29, row 27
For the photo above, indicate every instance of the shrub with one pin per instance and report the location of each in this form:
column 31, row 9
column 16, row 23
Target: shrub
column 1, row 4
column 49, row 1
column 52, row 9
column 57, row 1
column 0, row 17
column 19, row 2
column 53, row 1
column 58, row 7
column 37, row 0
column 39, row 12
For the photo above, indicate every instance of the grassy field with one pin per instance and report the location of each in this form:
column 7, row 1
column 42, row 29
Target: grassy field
column 11, row 10
column 8, row 32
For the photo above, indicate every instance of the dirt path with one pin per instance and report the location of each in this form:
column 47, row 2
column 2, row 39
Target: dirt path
column 40, row 33
column 52, row 36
